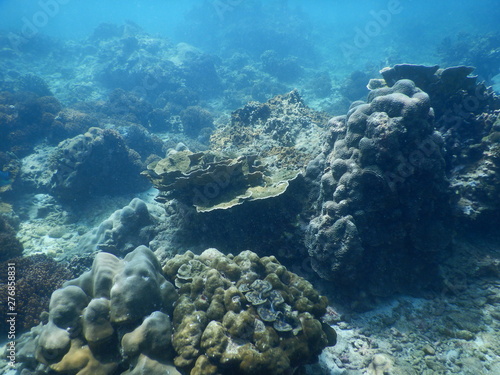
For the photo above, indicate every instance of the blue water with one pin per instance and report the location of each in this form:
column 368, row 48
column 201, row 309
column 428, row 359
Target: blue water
column 406, row 30
column 5, row 178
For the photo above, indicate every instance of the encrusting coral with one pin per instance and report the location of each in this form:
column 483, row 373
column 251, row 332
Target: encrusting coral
column 243, row 315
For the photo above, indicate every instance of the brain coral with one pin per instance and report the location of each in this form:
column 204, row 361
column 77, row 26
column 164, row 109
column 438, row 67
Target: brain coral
column 243, row 315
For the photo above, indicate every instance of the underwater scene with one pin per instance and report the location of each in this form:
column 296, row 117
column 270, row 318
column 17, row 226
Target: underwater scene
column 249, row 187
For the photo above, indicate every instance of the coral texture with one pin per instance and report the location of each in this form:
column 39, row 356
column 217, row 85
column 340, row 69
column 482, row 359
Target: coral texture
column 208, row 181
column 123, row 231
column 36, row 276
column 10, row 247
column 25, row 119
column 384, row 202
column 243, row 315
column 112, row 319
column 466, row 114
column 97, row 162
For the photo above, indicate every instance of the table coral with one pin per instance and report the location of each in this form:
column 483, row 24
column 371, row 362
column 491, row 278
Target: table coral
column 210, row 181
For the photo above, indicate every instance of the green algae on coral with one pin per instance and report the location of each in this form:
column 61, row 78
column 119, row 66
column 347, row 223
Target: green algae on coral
column 249, row 318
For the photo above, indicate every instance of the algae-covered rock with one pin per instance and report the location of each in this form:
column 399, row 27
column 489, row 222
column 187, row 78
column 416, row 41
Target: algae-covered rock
column 258, row 318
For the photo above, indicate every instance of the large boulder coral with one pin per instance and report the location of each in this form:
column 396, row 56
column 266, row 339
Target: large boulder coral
column 112, row 319
column 384, row 216
column 95, row 163
column 243, row 315
column 126, row 229
column 466, row 114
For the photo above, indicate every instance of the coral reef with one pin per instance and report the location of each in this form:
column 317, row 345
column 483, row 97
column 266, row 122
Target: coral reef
column 195, row 119
column 97, row 162
column 25, row 119
column 478, row 183
column 243, row 315
column 10, row 247
column 112, row 319
column 466, row 114
column 141, row 140
column 250, row 27
column 123, row 231
column 255, row 195
column 354, row 87
column 321, row 85
column 284, row 132
column 383, row 195
column 152, row 67
column 128, row 107
column 70, row 122
column 231, row 315
column 10, row 167
column 480, row 51
column 283, row 68
column 33, row 83
column 36, row 277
